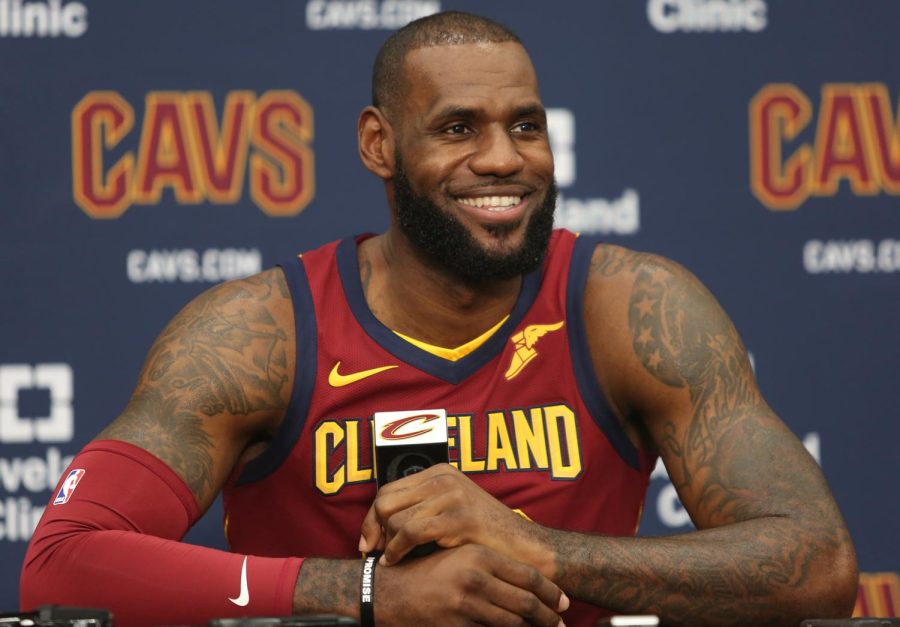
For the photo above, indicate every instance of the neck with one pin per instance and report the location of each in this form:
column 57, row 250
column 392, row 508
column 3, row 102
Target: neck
column 409, row 294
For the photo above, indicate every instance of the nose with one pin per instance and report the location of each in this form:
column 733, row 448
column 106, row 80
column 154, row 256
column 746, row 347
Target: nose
column 496, row 154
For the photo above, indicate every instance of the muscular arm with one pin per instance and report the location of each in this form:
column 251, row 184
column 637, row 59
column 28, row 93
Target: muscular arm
column 213, row 390
column 216, row 382
column 772, row 547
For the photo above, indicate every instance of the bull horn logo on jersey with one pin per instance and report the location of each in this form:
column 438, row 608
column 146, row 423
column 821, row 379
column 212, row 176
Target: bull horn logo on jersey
column 391, row 431
column 524, row 342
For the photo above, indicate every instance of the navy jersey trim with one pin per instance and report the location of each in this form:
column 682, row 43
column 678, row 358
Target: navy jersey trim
column 304, row 378
column 450, row 371
column 585, row 374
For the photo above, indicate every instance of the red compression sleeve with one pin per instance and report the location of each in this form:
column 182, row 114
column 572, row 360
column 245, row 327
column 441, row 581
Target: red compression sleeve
column 115, row 544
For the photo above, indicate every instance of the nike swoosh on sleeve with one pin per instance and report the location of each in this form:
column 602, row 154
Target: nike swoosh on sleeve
column 244, row 597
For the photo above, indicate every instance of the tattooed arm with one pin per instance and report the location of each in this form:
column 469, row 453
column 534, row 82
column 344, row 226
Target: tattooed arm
column 213, row 390
column 772, row 547
column 215, row 384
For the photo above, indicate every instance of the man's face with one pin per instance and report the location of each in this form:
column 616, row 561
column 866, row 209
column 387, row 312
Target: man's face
column 473, row 183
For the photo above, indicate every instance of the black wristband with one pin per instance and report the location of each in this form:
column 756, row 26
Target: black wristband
column 367, row 591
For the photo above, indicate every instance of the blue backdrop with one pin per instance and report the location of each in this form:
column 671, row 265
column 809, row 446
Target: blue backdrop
column 151, row 149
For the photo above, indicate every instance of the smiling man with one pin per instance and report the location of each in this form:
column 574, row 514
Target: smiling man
column 566, row 367
column 482, row 216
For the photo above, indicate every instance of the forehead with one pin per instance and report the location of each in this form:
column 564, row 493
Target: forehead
column 481, row 76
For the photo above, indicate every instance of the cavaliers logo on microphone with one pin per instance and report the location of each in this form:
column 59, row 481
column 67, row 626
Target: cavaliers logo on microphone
column 395, row 430
column 407, row 442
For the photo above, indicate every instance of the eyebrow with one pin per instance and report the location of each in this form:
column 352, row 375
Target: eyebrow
column 455, row 111
column 530, row 110
column 469, row 113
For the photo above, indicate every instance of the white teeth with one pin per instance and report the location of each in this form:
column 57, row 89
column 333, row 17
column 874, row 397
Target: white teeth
column 492, row 203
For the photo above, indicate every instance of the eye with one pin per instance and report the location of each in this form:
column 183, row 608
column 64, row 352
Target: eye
column 526, row 127
column 456, row 129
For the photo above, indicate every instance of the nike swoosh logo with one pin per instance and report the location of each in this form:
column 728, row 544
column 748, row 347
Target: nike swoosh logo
column 338, row 380
column 244, row 597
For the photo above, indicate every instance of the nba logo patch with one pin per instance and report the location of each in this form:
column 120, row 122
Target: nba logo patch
column 68, row 486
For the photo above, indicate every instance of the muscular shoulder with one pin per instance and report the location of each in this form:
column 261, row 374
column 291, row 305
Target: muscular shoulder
column 659, row 324
column 613, row 265
column 615, row 291
column 231, row 320
column 263, row 292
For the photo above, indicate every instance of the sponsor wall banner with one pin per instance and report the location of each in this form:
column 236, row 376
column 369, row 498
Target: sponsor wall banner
column 53, row 18
column 149, row 151
column 182, row 148
column 37, row 423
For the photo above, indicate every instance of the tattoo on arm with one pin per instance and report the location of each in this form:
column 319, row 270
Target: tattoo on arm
column 685, row 340
column 771, row 529
column 223, row 356
column 609, row 261
column 328, row 586
column 173, row 434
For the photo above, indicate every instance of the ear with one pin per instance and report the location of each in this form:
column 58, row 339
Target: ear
column 376, row 142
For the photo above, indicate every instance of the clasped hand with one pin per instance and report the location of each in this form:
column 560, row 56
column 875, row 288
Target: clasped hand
column 495, row 569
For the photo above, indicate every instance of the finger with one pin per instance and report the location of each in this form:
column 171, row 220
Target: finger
column 530, row 579
column 483, row 599
column 434, row 519
column 391, row 497
column 390, row 501
column 404, row 493
column 414, row 533
column 393, row 512
column 370, row 534
column 519, row 605
column 423, row 495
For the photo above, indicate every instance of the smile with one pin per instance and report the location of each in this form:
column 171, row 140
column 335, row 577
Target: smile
column 491, row 203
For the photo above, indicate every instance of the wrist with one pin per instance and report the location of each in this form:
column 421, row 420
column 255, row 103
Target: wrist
column 537, row 547
column 367, row 591
column 328, row 586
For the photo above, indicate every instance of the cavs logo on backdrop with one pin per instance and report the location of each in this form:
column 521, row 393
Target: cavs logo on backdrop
column 878, row 595
column 856, row 138
column 182, row 146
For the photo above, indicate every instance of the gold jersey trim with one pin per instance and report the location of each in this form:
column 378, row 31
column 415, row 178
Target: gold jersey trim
column 455, row 354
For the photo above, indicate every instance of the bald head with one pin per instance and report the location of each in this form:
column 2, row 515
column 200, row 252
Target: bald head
column 451, row 28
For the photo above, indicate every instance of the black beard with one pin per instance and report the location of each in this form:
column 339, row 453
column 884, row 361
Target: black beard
column 443, row 239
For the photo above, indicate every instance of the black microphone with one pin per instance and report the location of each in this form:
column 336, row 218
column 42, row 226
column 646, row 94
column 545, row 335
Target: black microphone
column 408, row 442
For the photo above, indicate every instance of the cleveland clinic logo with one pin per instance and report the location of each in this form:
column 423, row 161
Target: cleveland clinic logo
column 52, row 18
column 36, row 406
column 619, row 216
column 710, row 16
column 17, row 380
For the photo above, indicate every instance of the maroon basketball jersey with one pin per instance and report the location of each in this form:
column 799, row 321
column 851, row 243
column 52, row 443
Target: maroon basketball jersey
column 527, row 419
